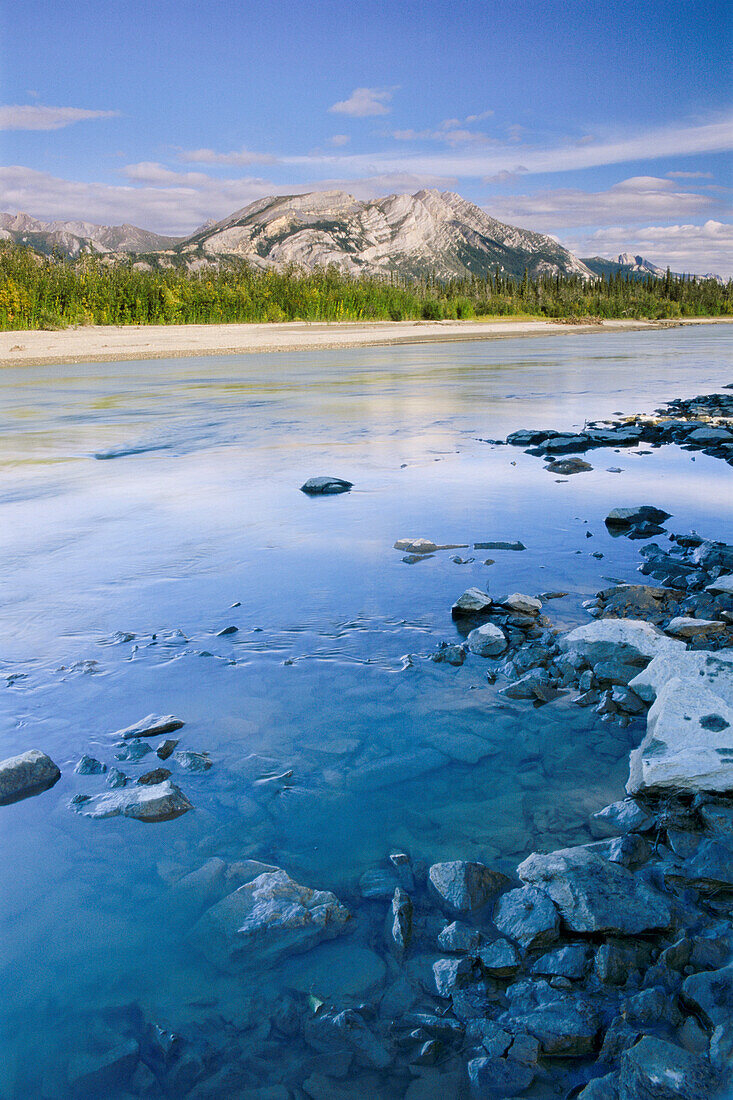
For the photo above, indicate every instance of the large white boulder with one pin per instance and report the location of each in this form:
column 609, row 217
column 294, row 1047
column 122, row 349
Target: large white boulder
column 722, row 584
column 487, row 641
column 629, row 640
column 702, row 668
column 688, row 744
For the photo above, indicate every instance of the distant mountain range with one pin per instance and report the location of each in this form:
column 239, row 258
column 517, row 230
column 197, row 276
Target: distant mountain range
column 432, row 232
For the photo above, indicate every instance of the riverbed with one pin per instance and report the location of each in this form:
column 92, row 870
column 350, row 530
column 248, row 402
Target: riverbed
column 147, row 506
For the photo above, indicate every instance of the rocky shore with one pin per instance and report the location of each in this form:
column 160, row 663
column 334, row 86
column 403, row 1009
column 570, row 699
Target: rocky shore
column 602, row 971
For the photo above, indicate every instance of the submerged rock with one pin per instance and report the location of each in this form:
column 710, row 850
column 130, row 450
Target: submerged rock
column 151, row 726
column 628, row 517
column 594, row 895
column 88, row 765
column 566, row 466
column 27, row 774
column 160, row 802
column 269, row 917
column 193, row 761
column 325, row 486
column 515, row 545
column 465, row 886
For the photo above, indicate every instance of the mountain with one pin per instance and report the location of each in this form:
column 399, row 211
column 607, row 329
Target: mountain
column 71, row 239
column 428, row 233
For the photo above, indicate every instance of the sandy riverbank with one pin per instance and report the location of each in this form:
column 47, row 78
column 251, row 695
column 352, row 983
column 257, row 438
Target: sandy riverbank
column 112, row 342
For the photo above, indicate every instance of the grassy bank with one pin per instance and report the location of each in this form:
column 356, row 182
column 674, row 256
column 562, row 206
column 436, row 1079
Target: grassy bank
column 48, row 293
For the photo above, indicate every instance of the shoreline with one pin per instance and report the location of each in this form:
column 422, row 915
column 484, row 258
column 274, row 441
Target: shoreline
column 111, row 343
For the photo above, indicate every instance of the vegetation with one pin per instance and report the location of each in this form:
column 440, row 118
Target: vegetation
column 38, row 292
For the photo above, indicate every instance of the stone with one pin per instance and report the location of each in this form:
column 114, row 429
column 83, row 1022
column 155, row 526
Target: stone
column 516, row 545
column 498, row 1077
column 132, row 751
column 619, row 818
column 449, row 655
column 473, row 602
column 401, row 920
column 465, row 886
column 151, row 726
column 116, row 778
column 709, row 869
column 528, row 916
column 567, row 466
column 564, row 962
column 88, row 765
column 565, row 1029
column 685, row 627
column 654, row 1069
column 623, row 698
column 688, row 744
column 269, row 917
column 526, row 605
column 158, row 775
column 723, row 585
column 615, row 672
column 699, row 668
column 193, row 761
column 165, row 748
column 449, row 974
column 499, row 959
column 378, row 882
column 325, row 486
column 630, row 641
column 594, row 895
column 161, row 802
column 528, row 686
column 27, row 774
column 103, row 1066
column 525, row 1049
column 711, row 993
column 460, row 938
column 627, row 517
column 487, row 641
column 709, row 437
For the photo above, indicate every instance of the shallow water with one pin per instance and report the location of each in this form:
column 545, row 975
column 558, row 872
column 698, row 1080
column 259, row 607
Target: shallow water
column 191, row 506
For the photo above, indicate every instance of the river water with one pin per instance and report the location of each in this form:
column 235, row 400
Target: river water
column 161, row 500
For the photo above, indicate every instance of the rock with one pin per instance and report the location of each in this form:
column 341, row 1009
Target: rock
column 472, row 602
column 564, row 962
column 623, row 698
column 594, row 895
column 711, row 994
column 528, row 686
column 566, row 466
column 460, row 938
column 325, row 486
column 699, row 668
column 516, row 545
column 709, row 869
column 401, row 919
column 105, row 1066
column 684, row 627
column 161, row 802
column 499, row 959
column 158, row 775
column 628, row 517
column 88, row 765
column 226, row 631
column 193, row 761
column 688, row 744
column 528, row 916
column 721, row 1049
column 498, row 1077
column 151, row 726
column 565, row 1029
column 271, row 916
column 27, row 774
column 525, row 605
column 378, row 883
column 723, row 585
column 525, row 1049
column 629, row 641
column 619, row 818
column 615, row 672
column 165, row 748
column 465, row 886
column 132, row 751
column 448, row 974
column 654, row 1069
column 487, row 641
column 525, row 437
column 449, row 654
column 709, row 437
column 116, row 778
column 331, row 1031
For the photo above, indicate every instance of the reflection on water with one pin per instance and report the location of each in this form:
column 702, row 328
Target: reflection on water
column 118, row 575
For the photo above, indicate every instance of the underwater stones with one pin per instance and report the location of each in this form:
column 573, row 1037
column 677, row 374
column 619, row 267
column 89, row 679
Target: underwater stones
column 465, row 886
column 132, row 751
column 325, row 486
column 654, row 1069
column 270, row 916
column 528, row 916
column 594, row 895
column 460, row 938
column 151, row 726
column 401, row 919
column 447, row 654
column 160, row 802
column 450, row 974
column 487, row 641
column 688, row 745
column 27, row 774
column 88, row 765
column 473, row 602
column 498, row 1077
column 711, row 993
column 193, row 761
column 628, row 641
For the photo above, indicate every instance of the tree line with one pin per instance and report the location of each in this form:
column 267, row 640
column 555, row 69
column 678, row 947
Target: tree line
column 40, row 292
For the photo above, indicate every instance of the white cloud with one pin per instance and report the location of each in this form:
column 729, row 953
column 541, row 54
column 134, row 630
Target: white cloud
column 632, row 200
column 690, row 175
column 365, row 102
column 697, row 249
column 450, row 135
column 339, row 139
column 478, row 118
column 241, row 158
column 46, row 118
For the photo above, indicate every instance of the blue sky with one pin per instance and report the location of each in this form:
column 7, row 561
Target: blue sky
column 607, row 124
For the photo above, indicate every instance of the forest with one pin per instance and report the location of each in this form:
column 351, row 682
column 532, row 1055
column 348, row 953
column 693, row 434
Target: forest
column 51, row 293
